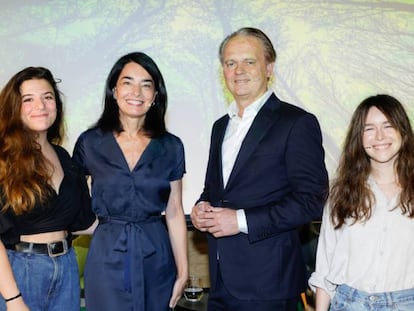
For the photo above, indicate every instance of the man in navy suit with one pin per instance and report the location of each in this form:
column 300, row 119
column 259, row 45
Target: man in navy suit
column 265, row 178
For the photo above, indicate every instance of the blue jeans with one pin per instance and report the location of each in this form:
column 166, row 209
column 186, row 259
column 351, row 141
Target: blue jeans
column 350, row 299
column 46, row 283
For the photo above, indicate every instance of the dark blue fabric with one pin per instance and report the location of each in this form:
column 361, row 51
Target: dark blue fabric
column 280, row 180
column 130, row 265
column 221, row 300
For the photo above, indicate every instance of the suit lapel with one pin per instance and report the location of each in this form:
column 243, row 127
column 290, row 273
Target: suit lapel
column 218, row 142
column 264, row 119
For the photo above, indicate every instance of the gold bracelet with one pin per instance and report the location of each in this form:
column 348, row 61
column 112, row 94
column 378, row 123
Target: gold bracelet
column 12, row 298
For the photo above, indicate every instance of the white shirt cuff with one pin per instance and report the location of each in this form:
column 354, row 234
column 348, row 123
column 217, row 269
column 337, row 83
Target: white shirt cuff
column 242, row 221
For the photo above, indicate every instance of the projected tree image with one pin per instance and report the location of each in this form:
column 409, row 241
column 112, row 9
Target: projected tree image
column 331, row 55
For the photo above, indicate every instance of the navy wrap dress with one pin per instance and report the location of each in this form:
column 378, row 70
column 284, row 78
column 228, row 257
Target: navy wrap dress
column 130, row 265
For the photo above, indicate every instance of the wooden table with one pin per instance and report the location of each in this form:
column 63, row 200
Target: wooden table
column 184, row 305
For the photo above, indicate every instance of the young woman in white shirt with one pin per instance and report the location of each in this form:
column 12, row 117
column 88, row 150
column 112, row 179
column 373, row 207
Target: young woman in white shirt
column 366, row 243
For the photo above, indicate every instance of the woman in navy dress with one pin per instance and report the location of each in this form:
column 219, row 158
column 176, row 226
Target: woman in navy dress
column 135, row 262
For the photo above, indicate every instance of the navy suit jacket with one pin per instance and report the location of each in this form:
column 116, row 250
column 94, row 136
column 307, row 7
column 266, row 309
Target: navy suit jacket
column 280, row 180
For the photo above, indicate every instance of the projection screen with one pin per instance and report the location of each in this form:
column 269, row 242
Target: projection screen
column 331, row 55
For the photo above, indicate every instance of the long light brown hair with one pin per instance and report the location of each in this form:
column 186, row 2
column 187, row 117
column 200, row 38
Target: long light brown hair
column 350, row 197
column 24, row 174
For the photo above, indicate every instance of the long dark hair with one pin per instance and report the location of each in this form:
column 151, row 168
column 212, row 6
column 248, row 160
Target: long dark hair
column 154, row 124
column 350, row 197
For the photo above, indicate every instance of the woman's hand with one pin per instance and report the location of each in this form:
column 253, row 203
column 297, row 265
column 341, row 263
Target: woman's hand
column 178, row 290
column 322, row 300
column 17, row 305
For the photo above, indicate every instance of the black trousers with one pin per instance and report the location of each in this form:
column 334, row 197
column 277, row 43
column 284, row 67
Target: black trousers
column 221, row 300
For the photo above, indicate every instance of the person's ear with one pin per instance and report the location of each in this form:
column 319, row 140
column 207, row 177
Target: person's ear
column 269, row 70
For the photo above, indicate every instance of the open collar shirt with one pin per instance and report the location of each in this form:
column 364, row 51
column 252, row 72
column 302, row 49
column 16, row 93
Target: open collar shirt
column 375, row 256
column 236, row 132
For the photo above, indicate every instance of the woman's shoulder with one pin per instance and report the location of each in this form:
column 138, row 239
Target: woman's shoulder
column 91, row 137
column 91, row 134
column 169, row 138
column 61, row 152
column 65, row 159
column 171, row 143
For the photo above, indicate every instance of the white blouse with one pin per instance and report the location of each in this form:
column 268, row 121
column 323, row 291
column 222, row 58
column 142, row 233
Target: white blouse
column 375, row 256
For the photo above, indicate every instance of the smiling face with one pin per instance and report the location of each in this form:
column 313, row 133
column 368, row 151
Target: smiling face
column 245, row 69
column 382, row 142
column 134, row 91
column 38, row 108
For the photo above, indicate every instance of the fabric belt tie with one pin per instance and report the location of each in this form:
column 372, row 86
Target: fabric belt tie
column 131, row 236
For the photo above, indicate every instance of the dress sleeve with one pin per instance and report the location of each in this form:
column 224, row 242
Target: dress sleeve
column 79, row 154
column 179, row 170
column 85, row 217
column 325, row 253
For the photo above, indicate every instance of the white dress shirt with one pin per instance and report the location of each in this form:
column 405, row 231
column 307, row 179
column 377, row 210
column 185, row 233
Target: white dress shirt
column 375, row 256
column 236, row 131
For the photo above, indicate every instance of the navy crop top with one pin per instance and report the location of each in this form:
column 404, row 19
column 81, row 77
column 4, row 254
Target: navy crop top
column 70, row 209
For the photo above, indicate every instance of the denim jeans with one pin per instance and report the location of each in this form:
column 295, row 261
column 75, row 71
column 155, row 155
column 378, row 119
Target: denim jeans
column 349, row 299
column 46, row 283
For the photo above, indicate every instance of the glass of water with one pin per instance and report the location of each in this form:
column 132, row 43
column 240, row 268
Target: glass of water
column 193, row 291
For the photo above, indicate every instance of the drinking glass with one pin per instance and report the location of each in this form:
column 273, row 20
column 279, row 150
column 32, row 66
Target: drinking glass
column 193, row 291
